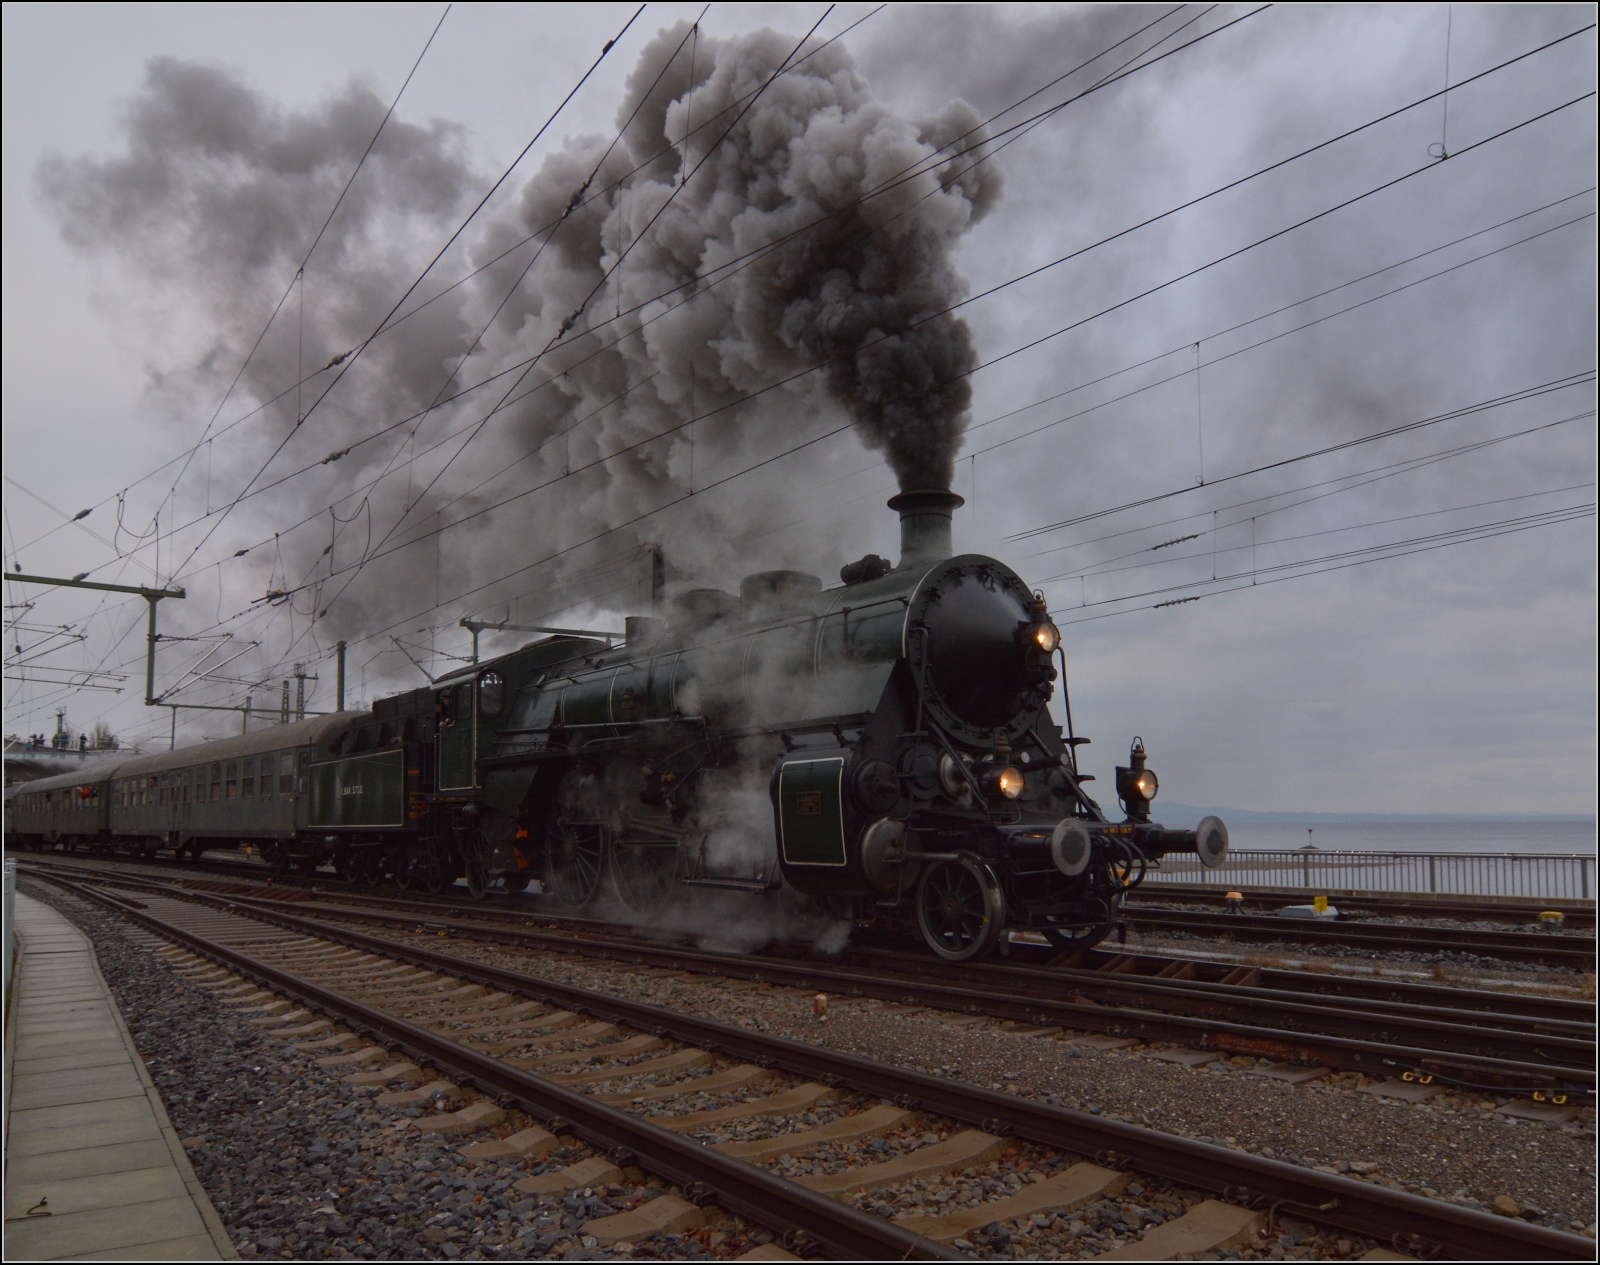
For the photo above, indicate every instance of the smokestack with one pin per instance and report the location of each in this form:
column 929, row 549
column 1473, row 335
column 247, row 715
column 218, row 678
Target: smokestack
column 925, row 524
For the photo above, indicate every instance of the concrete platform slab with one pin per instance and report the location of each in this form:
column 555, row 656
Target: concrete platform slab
column 103, row 1090
column 102, row 1230
column 102, row 1190
column 87, row 1137
column 116, row 1158
column 49, row 1119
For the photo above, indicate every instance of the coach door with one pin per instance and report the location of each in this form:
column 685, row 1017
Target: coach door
column 457, row 738
column 184, row 793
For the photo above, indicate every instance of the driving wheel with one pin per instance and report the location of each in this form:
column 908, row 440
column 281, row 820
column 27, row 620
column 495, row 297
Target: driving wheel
column 579, row 842
column 960, row 909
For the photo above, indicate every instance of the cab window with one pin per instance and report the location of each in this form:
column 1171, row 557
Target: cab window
column 491, row 694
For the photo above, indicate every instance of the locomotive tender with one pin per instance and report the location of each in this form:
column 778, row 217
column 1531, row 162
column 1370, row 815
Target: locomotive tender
column 893, row 730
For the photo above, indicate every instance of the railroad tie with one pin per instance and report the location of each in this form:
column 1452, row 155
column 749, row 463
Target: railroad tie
column 252, row 997
column 872, row 1123
column 364, row 1055
column 282, row 1018
column 961, row 1150
column 529, row 1015
column 665, row 1214
column 587, row 1032
column 768, row 1252
column 482, row 1114
column 314, row 1028
column 422, row 1094
column 1065, row 1192
column 271, row 1008
column 531, row 1142
column 641, row 1044
column 740, row 1077
column 678, row 1061
column 594, row 1171
column 800, row 1098
column 1204, row 1228
column 339, row 1042
column 394, row 1072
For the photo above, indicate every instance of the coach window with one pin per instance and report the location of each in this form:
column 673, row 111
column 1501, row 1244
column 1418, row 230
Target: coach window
column 232, row 791
column 286, row 773
column 216, row 783
column 268, row 775
column 188, row 785
column 164, row 796
column 247, row 780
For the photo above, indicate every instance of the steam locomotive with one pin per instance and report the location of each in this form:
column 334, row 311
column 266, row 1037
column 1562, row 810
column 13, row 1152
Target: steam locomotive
column 881, row 748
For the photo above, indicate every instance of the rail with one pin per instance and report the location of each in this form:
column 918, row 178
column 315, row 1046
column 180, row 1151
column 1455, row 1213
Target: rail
column 1547, row 875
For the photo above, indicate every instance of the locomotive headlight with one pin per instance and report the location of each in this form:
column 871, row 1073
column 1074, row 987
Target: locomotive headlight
column 1009, row 782
column 1145, row 785
column 1046, row 636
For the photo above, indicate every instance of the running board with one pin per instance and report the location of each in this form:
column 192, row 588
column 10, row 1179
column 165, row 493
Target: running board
column 737, row 884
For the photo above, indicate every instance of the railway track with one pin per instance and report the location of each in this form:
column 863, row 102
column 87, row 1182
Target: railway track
column 558, row 1053
column 1549, row 948
column 1526, row 909
column 1499, row 1042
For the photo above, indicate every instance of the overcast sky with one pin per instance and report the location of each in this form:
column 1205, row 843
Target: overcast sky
column 1401, row 624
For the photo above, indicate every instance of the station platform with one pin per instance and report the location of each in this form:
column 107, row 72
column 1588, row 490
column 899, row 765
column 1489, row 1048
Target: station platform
column 87, row 1140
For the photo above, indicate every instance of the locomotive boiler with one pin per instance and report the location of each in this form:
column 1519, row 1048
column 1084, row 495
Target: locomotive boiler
column 881, row 748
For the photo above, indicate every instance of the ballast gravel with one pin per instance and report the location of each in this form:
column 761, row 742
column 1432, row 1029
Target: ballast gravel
column 1453, row 1147
column 303, row 1167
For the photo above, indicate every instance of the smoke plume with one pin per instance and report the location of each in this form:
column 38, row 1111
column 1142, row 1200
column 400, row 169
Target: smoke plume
column 753, row 261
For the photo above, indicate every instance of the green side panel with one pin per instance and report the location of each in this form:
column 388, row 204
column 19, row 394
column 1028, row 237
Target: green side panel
column 455, row 756
column 811, row 812
column 362, row 792
column 587, row 701
column 505, row 789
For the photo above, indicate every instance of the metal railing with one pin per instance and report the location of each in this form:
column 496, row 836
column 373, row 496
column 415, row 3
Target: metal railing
column 1546, row 875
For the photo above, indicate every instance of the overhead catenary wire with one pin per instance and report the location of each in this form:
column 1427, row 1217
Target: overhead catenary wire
column 1382, row 118
column 911, row 172
column 1103, row 312
column 1006, row 355
column 351, row 359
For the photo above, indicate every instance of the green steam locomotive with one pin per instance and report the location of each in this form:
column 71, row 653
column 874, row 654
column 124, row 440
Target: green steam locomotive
column 881, row 749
